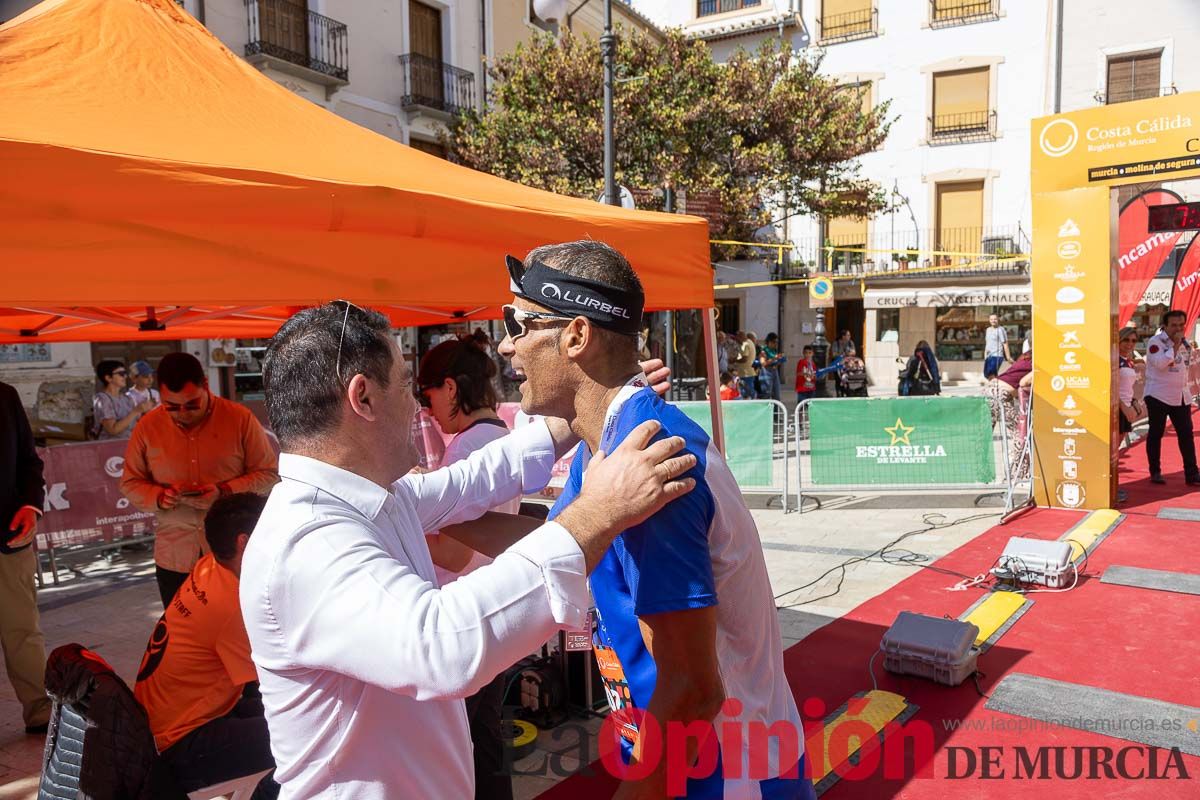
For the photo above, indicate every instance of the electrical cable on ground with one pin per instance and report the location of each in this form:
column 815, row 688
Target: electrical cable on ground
column 882, row 554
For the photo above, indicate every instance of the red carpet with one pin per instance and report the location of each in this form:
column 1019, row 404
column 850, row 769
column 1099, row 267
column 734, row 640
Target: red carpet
column 1146, row 497
column 1134, row 641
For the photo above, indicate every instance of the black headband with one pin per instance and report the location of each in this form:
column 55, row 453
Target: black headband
column 615, row 309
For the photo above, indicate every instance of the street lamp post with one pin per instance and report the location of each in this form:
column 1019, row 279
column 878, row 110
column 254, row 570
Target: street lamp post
column 608, row 47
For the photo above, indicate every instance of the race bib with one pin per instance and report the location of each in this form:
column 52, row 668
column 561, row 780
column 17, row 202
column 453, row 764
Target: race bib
column 616, row 688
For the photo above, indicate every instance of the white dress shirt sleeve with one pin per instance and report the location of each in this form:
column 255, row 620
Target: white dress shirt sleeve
column 1161, row 358
column 507, row 468
column 344, row 604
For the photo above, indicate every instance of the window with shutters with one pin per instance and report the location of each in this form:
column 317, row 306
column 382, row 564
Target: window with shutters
column 959, row 220
column 847, row 236
column 706, row 8
column 845, row 20
column 946, row 13
column 962, row 106
column 861, row 91
column 1133, row 77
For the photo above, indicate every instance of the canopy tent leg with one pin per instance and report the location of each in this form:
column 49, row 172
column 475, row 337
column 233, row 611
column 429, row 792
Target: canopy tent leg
column 708, row 316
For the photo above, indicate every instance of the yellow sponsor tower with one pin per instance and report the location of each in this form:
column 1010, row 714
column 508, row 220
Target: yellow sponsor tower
column 1076, row 160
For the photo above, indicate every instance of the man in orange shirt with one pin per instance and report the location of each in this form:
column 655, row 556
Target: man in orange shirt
column 183, row 455
column 196, row 680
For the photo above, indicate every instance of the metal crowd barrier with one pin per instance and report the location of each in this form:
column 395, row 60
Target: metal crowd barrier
column 1008, row 473
column 760, row 466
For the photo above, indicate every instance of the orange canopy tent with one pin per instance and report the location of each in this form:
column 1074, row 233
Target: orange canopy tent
column 155, row 185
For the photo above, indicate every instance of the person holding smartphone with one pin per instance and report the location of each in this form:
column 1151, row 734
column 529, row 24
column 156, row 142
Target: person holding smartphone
column 192, row 449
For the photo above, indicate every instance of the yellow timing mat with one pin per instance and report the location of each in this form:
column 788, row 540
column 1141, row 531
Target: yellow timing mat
column 1087, row 534
column 876, row 708
column 994, row 614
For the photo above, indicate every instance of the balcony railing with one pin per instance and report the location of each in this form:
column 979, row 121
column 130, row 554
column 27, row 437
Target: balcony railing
column 970, row 126
column 1107, row 97
column 930, row 253
column 833, row 28
column 287, row 30
column 947, row 13
column 433, row 84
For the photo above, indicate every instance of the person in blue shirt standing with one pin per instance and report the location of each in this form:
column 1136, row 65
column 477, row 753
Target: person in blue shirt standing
column 685, row 595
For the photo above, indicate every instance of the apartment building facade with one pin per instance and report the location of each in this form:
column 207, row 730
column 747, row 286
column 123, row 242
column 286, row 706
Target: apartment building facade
column 963, row 79
column 1110, row 55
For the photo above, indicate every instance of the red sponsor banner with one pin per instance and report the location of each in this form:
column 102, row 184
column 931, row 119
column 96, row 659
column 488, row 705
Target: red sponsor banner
column 1140, row 254
column 84, row 504
column 1185, row 292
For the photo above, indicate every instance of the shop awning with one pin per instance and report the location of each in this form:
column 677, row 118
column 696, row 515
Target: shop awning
column 1014, row 295
column 155, row 185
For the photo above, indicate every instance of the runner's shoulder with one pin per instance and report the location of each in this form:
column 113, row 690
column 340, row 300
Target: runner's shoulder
column 646, row 405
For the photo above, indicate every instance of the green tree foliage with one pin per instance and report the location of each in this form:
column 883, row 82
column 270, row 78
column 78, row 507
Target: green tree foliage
column 763, row 132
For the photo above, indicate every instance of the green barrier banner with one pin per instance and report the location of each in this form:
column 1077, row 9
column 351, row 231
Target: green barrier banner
column 903, row 441
column 749, row 437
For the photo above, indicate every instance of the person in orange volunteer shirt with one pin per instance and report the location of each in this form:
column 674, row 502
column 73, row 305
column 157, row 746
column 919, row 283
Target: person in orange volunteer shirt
column 183, row 455
column 196, row 680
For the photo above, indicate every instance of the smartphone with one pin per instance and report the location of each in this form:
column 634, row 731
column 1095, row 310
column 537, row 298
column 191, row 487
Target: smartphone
column 191, row 493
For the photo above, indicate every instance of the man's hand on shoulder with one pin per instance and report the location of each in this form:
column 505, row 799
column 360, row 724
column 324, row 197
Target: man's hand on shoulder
column 625, row 488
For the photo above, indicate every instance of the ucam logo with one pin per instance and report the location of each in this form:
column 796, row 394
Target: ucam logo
column 1058, row 138
column 1069, row 294
column 115, row 466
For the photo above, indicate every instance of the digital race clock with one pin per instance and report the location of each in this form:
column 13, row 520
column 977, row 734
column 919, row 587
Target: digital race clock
column 1174, row 217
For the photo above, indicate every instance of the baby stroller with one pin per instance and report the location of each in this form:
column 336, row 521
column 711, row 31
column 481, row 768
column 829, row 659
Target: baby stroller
column 852, row 377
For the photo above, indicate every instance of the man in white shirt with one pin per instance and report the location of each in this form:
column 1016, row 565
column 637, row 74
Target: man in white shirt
column 1167, row 357
column 362, row 661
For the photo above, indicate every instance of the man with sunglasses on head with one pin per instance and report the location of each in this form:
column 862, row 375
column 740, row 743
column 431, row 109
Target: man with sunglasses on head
column 192, row 449
column 363, row 661
column 685, row 628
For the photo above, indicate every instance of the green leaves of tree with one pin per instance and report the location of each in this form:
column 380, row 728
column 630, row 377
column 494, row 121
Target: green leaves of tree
column 763, row 131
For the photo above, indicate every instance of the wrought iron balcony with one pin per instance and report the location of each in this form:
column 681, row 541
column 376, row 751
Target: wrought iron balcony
column 910, row 254
column 971, row 126
column 834, row 28
column 286, row 30
column 948, row 13
column 435, row 85
column 1107, row 97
